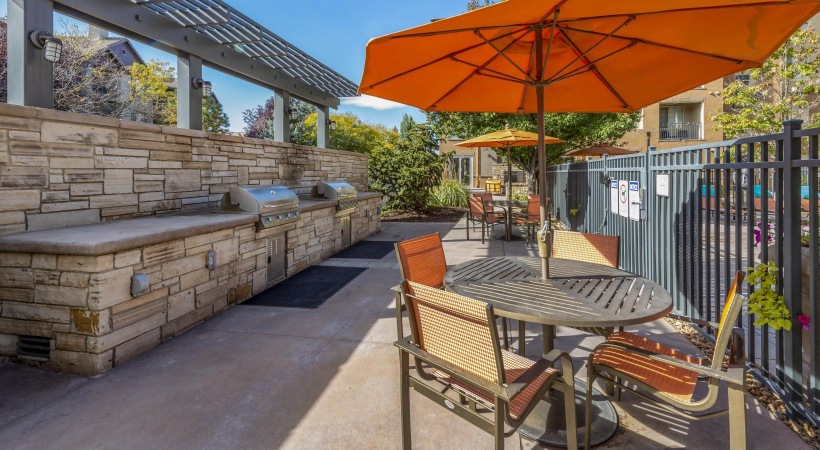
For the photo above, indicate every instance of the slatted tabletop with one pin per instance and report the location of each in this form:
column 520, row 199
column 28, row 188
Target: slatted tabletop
column 578, row 294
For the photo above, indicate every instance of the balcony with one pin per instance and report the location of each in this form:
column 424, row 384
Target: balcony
column 678, row 131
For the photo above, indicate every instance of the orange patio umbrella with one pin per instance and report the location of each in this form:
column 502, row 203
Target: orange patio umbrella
column 508, row 138
column 532, row 56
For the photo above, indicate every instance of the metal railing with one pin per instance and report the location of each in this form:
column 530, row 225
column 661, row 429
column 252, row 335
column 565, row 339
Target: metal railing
column 680, row 131
column 700, row 213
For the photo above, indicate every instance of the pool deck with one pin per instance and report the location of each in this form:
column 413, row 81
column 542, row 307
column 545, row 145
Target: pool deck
column 261, row 377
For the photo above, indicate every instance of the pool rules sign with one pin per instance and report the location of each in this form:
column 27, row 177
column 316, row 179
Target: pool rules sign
column 613, row 196
column 623, row 198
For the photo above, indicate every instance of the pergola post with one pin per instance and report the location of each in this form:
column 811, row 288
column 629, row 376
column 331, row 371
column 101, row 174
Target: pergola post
column 322, row 126
column 281, row 115
column 30, row 76
column 189, row 98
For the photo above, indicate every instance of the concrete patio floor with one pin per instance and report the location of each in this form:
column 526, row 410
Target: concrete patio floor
column 263, row 377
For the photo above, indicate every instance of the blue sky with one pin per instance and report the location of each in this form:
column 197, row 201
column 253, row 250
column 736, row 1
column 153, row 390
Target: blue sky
column 335, row 32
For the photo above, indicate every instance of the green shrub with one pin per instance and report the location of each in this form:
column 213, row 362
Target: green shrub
column 406, row 170
column 450, row 193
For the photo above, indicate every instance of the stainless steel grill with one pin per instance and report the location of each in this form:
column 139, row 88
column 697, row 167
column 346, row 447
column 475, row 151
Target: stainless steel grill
column 342, row 192
column 276, row 205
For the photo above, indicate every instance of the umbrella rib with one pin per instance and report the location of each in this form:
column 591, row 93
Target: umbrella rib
column 549, row 43
column 501, row 52
column 658, row 44
column 430, row 63
column 529, row 68
column 477, row 70
column 596, row 71
column 593, row 47
column 590, row 66
column 499, row 75
column 669, row 11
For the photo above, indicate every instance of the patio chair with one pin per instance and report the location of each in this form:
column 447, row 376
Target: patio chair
column 532, row 218
column 480, row 213
column 592, row 248
column 668, row 376
column 421, row 260
column 460, row 365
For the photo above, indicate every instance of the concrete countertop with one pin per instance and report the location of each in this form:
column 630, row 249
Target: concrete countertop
column 111, row 237
column 307, row 204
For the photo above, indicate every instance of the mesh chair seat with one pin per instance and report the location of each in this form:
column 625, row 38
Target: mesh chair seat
column 675, row 382
column 514, row 367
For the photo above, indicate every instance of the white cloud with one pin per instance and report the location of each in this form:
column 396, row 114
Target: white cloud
column 367, row 101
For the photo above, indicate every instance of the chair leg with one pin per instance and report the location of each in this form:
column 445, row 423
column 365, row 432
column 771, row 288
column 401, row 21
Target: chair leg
column 505, row 333
column 468, row 229
column 588, row 403
column 404, row 362
column 483, row 228
column 569, row 409
column 498, row 430
column 737, row 418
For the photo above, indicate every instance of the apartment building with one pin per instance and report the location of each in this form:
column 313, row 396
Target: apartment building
column 680, row 120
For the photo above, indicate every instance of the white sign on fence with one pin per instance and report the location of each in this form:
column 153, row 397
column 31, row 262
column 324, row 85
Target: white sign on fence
column 634, row 200
column 613, row 196
column 662, row 184
column 623, row 198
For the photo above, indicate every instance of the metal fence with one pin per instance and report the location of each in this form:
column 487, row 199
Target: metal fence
column 690, row 217
column 680, row 131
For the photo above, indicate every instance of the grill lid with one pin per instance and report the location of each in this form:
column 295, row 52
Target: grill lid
column 336, row 190
column 264, row 199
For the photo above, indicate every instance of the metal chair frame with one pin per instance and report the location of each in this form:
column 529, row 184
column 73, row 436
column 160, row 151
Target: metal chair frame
column 734, row 376
column 465, row 405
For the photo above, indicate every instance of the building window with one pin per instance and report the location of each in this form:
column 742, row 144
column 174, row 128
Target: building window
column 682, row 121
column 640, row 122
column 743, row 78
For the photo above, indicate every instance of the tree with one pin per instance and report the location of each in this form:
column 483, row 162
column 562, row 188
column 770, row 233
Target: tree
column 785, row 87
column 405, row 169
column 214, row 119
column 407, row 124
column 149, row 99
column 351, row 133
column 579, row 130
column 259, row 121
column 86, row 79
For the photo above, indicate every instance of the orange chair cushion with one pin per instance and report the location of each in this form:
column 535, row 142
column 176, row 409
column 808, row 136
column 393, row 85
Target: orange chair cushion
column 675, row 382
column 514, row 367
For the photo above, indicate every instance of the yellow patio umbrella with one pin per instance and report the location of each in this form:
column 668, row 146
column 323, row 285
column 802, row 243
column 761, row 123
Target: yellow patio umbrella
column 583, row 55
column 508, row 138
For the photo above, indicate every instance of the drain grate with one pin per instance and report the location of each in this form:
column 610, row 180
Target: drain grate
column 36, row 348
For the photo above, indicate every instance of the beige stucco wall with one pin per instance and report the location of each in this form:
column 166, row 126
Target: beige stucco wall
column 709, row 94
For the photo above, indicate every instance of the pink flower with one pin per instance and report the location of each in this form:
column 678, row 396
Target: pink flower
column 804, row 320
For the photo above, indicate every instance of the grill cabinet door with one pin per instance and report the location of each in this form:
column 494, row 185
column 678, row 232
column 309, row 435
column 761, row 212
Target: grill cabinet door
column 276, row 258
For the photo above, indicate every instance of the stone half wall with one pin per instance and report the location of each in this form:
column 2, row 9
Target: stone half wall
column 84, row 305
column 60, row 169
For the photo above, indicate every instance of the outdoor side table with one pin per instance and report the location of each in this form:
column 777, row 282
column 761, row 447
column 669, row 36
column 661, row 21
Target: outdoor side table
column 507, row 206
column 578, row 294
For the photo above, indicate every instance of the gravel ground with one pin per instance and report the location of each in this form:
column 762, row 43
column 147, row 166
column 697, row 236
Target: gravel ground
column 809, row 434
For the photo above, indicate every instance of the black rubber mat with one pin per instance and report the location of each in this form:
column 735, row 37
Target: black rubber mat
column 367, row 250
column 308, row 288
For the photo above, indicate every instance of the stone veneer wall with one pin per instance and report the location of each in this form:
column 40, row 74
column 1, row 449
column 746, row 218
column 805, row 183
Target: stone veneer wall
column 84, row 304
column 59, row 169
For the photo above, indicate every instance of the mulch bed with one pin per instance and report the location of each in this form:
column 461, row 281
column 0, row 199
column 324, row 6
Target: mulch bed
column 437, row 214
column 767, row 398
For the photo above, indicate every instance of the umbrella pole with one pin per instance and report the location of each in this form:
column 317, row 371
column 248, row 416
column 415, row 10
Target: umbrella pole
column 509, row 175
column 542, row 180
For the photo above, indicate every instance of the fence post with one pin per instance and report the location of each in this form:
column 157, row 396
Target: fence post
column 792, row 273
column 648, row 205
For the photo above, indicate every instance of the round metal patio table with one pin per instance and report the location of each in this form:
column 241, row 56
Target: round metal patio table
column 578, row 294
column 507, row 206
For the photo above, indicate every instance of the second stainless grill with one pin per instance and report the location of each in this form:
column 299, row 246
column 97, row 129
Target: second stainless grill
column 344, row 193
column 276, row 205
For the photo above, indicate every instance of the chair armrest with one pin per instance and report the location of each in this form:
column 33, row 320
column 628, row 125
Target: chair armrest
column 719, row 374
column 702, row 323
column 407, row 345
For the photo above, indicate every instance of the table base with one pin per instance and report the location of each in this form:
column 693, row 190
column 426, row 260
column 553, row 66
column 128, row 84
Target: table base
column 546, row 424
